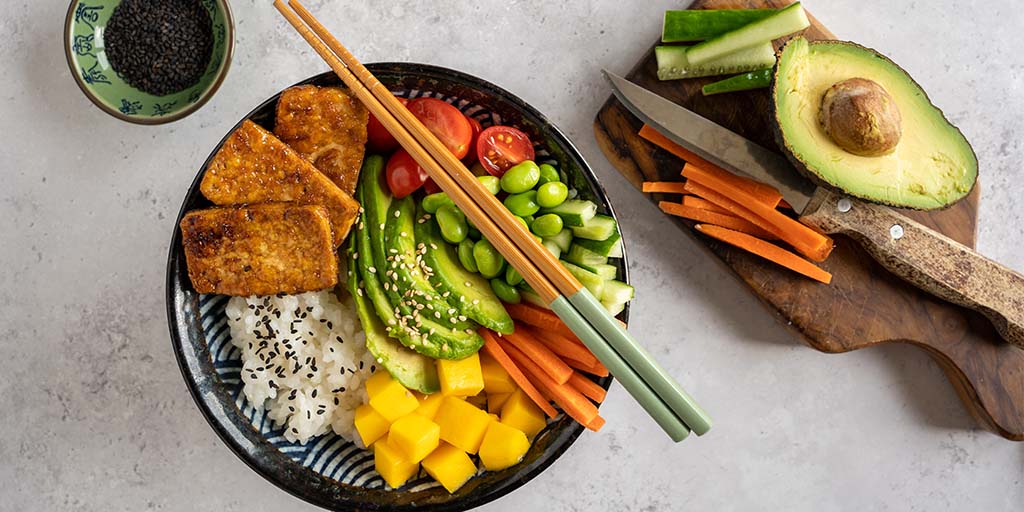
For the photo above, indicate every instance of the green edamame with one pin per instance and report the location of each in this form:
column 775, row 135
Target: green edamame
column 465, row 251
column 505, row 292
column 512, row 276
column 547, row 225
column 520, row 178
column 523, row 204
column 529, row 220
column 434, row 201
column 552, row 194
column 491, row 183
column 452, row 223
column 523, row 222
column 489, row 262
column 548, row 174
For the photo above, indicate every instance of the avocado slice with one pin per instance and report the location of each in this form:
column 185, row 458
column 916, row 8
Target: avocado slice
column 472, row 293
column 894, row 147
column 411, row 369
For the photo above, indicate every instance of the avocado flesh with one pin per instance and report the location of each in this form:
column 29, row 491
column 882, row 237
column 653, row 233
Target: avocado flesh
column 931, row 167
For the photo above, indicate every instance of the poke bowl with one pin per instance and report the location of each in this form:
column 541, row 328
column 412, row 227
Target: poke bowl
column 328, row 470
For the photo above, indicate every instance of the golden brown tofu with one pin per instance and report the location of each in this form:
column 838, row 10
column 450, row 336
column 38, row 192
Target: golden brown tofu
column 263, row 249
column 326, row 125
column 255, row 167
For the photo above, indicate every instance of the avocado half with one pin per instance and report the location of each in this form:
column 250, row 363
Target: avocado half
column 929, row 164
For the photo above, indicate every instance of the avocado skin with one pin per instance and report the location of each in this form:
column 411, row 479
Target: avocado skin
column 801, row 166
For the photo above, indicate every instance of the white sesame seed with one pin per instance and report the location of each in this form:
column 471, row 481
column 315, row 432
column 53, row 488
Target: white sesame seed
column 398, row 213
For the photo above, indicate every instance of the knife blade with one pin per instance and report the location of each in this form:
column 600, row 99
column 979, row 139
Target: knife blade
column 925, row 258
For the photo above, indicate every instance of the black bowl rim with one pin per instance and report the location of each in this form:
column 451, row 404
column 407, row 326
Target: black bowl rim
column 177, row 325
column 229, row 23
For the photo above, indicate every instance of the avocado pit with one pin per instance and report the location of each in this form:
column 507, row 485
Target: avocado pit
column 861, row 117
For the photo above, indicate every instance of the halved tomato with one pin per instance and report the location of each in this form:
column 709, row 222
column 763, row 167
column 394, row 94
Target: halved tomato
column 378, row 139
column 471, row 156
column 501, row 147
column 403, row 174
column 445, row 122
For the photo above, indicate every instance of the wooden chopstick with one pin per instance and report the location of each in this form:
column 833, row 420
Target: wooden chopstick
column 410, row 133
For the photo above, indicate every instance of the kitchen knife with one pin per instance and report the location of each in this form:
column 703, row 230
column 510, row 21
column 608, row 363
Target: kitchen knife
column 927, row 259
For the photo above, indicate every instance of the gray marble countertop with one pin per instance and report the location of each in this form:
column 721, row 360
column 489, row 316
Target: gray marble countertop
column 97, row 418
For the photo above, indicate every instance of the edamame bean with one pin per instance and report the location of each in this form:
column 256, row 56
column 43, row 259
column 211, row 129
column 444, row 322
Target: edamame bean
column 529, row 220
column 489, row 262
column 491, row 183
column 522, row 204
column 512, row 276
column 523, row 222
column 452, row 223
column 466, row 255
column 552, row 194
column 548, row 174
column 520, row 178
column 434, row 201
column 505, row 292
column 547, row 225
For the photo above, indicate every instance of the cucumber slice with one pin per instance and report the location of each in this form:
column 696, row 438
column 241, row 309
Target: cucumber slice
column 754, row 80
column 528, row 295
column 616, row 250
column 601, row 227
column 785, row 22
column 698, row 25
column 614, row 308
column 604, row 270
column 584, row 257
column 616, row 292
column 605, row 247
column 553, row 248
column 574, row 212
column 592, row 281
column 563, row 239
column 674, row 62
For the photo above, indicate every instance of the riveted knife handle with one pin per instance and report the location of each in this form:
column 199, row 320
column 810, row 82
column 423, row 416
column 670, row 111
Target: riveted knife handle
column 926, row 258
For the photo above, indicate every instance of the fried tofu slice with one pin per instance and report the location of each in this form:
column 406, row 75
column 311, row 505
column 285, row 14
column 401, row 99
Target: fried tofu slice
column 262, row 249
column 327, row 126
column 255, row 167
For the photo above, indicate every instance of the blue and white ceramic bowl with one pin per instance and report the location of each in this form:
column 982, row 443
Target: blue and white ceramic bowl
column 330, row 471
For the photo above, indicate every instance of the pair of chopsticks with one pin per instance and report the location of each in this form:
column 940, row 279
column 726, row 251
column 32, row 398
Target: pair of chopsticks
column 630, row 364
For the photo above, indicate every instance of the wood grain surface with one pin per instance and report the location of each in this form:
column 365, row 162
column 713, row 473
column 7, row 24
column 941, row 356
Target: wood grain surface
column 865, row 304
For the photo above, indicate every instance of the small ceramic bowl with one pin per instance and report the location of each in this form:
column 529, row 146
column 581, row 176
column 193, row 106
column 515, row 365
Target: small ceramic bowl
column 83, row 45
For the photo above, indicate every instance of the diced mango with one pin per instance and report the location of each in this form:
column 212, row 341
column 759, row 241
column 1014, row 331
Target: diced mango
column 479, row 401
column 377, row 382
column 494, row 417
column 461, row 424
column 428, row 406
column 502, row 447
column 392, row 400
column 496, row 379
column 460, row 378
column 450, row 466
column 521, row 413
column 415, row 436
column 392, row 464
column 370, row 424
column 496, row 400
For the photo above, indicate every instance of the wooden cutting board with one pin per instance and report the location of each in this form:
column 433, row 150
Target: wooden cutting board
column 865, row 304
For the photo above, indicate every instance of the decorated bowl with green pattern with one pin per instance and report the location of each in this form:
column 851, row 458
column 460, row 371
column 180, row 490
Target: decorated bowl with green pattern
column 83, row 43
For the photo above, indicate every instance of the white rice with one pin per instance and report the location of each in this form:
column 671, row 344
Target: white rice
column 304, row 359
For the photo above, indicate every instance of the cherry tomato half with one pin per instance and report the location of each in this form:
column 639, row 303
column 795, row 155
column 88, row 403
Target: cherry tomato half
column 445, row 122
column 378, row 139
column 501, row 147
column 403, row 174
column 471, row 156
column 430, row 187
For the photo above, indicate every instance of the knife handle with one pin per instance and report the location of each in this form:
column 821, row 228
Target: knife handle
column 928, row 259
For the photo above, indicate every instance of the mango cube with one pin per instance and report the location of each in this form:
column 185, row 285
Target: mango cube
column 392, row 464
column 415, row 436
column 460, row 378
column 496, row 400
column 502, row 447
column 496, row 379
column 461, row 424
column 370, row 424
column 428, row 406
column 521, row 413
column 392, row 400
column 377, row 382
column 450, row 466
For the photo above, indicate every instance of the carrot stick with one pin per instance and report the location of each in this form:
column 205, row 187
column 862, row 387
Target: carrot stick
column 562, row 346
column 735, row 209
column 543, row 357
column 765, row 192
column 595, row 424
column 703, row 204
column 766, row 250
column 571, row 401
column 664, row 187
column 597, row 369
column 587, row 387
column 785, row 204
column 542, row 319
column 805, row 240
column 717, row 219
column 493, row 349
